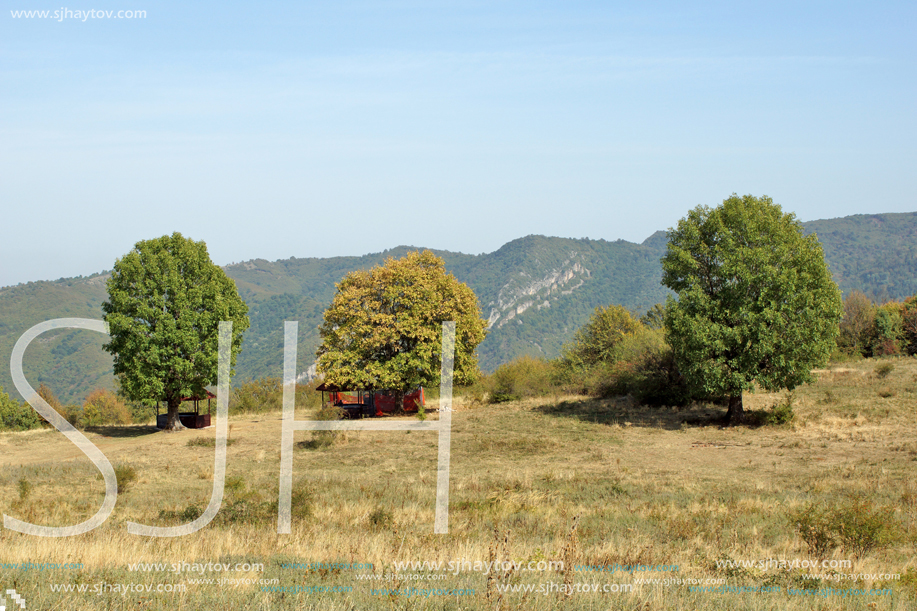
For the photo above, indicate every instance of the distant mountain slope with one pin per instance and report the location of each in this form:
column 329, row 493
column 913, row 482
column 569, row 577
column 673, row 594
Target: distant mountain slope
column 873, row 253
column 71, row 362
column 535, row 292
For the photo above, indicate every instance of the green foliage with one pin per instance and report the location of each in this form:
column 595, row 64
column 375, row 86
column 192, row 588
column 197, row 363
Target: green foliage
column 869, row 330
column 324, row 439
column 381, row 518
column 104, row 407
column 596, row 341
column 16, row 416
column 257, row 396
column 889, row 330
column 206, row 442
column 383, row 329
column 654, row 317
column 755, row 300
column 125, row 475
column 779, row 414
column 857, row 326
column 872, row 253
column 166, row 300
column 45, row 392
column 875, row 254
column 72, row 359
column 643, row 367
column 523, row 377
column 783, row 412
column 25, row 488
column 857, row 526
column 909, row 324
column 266, row 395
column 883, row 369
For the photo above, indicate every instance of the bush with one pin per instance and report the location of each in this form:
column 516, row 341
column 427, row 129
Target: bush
column 126, row 475
column 45, row 392
column 812, row 524
column 206, row 442
column 25, row 488
column 857, row 326
column 100, row 408
column 380, row 519
column 857, row 526
column 266, row 395
column 644, row 368
column 883, row 369
column 889, row 330
column 324, row 439
column 256, row 397
column 909, row 324
column 103, row 407
column 523, row 377
column 596, row 341
column 16, row 416
column 783, row 412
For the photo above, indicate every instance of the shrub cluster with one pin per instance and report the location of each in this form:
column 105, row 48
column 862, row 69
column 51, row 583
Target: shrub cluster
column 266, row 395
column 857, row 526
column 614, row 354
column 523, row 377
column 16, row 416
column 868, row 329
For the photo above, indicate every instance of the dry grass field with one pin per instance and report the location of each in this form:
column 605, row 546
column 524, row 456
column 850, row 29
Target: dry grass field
column 570, row 479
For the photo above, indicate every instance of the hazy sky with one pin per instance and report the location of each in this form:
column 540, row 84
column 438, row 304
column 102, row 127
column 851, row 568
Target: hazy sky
column 316, row 129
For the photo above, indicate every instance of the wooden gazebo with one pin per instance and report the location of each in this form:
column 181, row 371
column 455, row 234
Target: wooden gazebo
column 191, row 420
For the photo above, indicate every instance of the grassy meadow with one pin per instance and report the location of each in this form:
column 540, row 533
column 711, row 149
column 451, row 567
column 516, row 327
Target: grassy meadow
column 565, row 478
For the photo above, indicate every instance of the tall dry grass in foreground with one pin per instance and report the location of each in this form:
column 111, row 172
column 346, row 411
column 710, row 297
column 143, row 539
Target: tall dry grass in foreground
column 584, row 481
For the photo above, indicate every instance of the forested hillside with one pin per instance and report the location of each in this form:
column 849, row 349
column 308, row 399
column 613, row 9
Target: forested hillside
column 535, row 292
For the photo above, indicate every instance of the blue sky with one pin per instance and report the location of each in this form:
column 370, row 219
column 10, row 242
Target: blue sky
column 319, row 129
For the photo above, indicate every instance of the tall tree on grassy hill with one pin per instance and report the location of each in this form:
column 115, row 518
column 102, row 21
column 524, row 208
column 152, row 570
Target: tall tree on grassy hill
column 166, row 299
column 383, row 328
column 756, row 302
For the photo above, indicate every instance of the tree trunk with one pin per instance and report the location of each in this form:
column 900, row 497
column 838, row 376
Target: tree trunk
column 735, row 414
column 173, row 423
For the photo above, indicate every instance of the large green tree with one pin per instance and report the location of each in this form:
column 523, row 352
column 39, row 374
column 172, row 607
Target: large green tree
column 756, row 302
column 166, row 299
column 383, row 329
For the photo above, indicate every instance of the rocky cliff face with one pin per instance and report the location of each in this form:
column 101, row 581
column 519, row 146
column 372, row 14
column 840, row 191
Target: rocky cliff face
column 524, row 291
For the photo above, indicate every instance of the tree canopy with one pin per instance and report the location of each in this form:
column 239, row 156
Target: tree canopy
column 166, row 299
column 383, row 329
column 595, row 342
column 756, row 302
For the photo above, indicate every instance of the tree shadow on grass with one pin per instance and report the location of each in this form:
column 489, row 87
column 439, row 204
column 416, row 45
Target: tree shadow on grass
column 123, row 431
column 624, row 411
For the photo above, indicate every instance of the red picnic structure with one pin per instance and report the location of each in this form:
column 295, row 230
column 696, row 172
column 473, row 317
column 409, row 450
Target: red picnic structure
column 367, row 403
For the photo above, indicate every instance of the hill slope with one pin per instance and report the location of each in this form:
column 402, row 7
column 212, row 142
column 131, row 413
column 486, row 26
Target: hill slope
column 535, row 292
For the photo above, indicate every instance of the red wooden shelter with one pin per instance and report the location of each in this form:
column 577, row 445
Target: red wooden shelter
column 363, row 403
column 191, row 420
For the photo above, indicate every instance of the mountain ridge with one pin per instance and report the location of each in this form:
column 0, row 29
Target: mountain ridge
column 535, row 291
